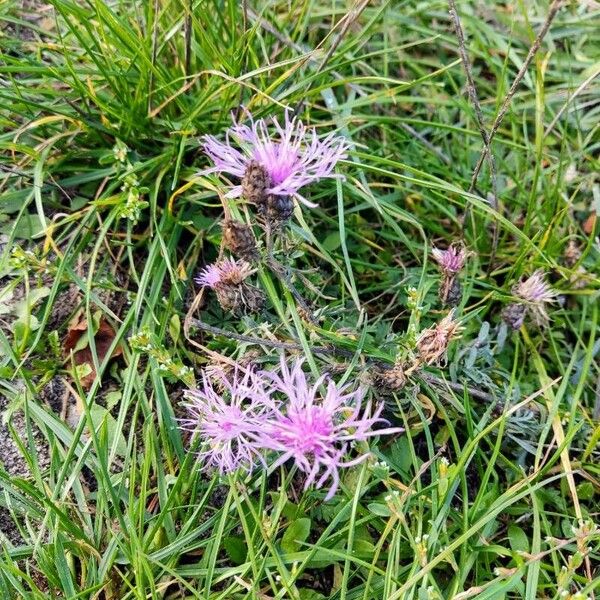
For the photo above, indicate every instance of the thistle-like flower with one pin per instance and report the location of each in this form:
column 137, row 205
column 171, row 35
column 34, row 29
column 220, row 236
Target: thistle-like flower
column 225, row 272
column 316, row 429
column 432, row 343
column 281, row 161
column 535, row 289
column 229, row 414
column 451, row 260
column 227, row 278
column 536, row 293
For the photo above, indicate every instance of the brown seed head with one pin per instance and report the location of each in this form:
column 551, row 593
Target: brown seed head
column 433, row 342
column 255, row 183
column 239, row 238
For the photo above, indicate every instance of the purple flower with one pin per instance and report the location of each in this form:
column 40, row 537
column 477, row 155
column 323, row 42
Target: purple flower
column 292, row 156
column 536, row 292
column 451, row 260
column 535, row 289
column 229, row 415
column 225, row 272
column 315, row 429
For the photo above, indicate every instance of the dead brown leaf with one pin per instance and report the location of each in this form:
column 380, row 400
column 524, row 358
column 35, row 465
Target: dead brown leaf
column 103, row 340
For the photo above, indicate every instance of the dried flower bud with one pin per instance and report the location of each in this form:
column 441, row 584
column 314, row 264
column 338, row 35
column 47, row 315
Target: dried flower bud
column 239, row 238
column 433, row 342
column 255, row 183
column 450, row 291
column 240, row 299
column 389, row 380
column 279, row 209
column 253, row 299
column 572, row 254
column 514, row 315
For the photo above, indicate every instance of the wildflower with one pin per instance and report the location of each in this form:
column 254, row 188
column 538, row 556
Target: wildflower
column 230, row 430
column 433, row 342
column 451, row 262
column 227, row 278
column 316, row 430
column 225, row 272
column 535, row 293
column 535, row 289
column 238, row 238
column 274, row 164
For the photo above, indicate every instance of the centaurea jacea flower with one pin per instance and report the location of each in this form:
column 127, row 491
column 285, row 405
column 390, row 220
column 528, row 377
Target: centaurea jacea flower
column 227, row 278
column 275, row 161
column 535, row 293
column 535, row 289
column 229, row 414
column 316, row 428
column 450, row 261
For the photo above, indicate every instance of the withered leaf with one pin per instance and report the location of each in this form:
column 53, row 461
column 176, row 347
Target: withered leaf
column 76, row 341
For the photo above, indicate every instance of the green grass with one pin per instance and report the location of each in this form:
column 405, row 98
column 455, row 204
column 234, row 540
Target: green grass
column 483, row 494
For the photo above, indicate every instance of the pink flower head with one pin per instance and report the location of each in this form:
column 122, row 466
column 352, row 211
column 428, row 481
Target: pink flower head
column 230, row 429
column 535, row 289
column 225, row 272
column 292, row 156
column 536, row 292
column 451, row 260
column 315, row 429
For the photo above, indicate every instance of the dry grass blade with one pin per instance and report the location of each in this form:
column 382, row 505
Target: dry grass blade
column 556, row 4
column 480, row 123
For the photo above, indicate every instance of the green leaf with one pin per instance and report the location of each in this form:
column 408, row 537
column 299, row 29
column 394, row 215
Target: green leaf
column 518, row 539
column 296, row 533
column 174, row 327
column 305, row 594
column 381, row 510
column 290, row 510
column 26, row 228
column 236, row 549
column 112, row 399
column 23, row 308
column 100, row 416
column 363, row 548
column 585, row 490
column 332, row 241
